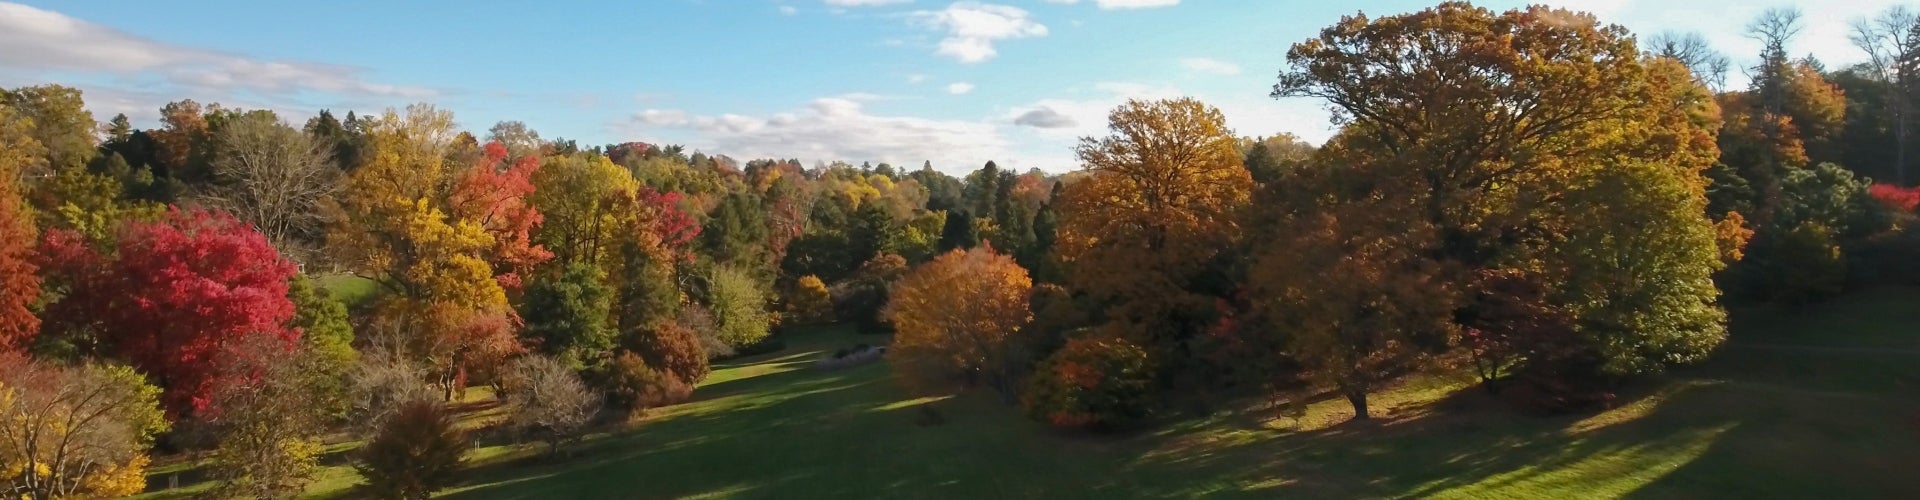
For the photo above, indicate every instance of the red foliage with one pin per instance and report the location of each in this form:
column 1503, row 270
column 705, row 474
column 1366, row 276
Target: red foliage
column 674, row 226
column 19, row 278
column 494, row 194
column 170, row 297
column 1902, row 199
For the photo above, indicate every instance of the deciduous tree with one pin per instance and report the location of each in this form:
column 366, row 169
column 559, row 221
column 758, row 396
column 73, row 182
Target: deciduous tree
column 955, row 319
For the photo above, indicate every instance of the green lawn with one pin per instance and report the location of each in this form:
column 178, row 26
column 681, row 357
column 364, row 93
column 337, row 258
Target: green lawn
column 352, row 290
column 1792, row 408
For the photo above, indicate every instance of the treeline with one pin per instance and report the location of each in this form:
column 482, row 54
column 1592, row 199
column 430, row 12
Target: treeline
column 178, row 269
column 1530, row 193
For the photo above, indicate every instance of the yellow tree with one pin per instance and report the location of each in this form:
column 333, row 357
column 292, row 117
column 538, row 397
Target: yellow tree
column 1497, row 130
column 810, row 301
column 1159, row 204
column 392, row 224
column 954, row 318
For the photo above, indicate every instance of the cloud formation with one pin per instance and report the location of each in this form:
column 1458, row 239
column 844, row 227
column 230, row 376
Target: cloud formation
column 835, row 128
column 958, row 88
column 1124, row 4
column 36, row 40
column 972, row 28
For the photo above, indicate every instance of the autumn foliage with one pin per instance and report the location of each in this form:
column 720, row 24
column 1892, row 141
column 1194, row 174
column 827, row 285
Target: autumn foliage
column 956, row 319
column 1896, row 197
column 169, row 297
column 1099, row 382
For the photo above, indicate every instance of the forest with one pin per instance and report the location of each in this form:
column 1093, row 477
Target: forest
column 1554, row 208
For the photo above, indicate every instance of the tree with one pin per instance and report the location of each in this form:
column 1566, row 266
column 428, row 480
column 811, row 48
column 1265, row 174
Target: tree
column 1886, row 38
column 60, row 124
column 1502, row 170
column 1144, row 230
column 577, row 198
column 169, row 297
column 545, row 398
column 19, row 278
column 75, row 431
column 954, row 321
column 273, row 177
column 567, row 313
column 739, row 302
column 416, row 453
column 1692, row 50
column 494, row 195
column 738, row 232
column 264, row 416
column 520, row 141
column 326, row 341
column 1353, row 296
column 810, row 302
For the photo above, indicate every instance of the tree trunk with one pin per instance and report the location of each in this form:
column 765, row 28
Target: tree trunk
column 1359, row 400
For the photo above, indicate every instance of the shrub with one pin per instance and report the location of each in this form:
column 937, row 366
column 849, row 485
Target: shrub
column 415, row 453
column 810, row 302
column 546, row 399
column 82, row 431
column 861, row 297
column 635, row 386
column 1100, row 383
column 673, row 349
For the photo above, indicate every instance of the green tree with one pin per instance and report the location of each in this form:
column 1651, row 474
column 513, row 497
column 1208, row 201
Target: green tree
column 567, row 313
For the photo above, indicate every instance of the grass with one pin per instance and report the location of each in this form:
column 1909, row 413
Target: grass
column 353, row 290
column 1813, row 403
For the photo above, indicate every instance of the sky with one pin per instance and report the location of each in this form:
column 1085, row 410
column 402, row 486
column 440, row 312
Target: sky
column 894, row 81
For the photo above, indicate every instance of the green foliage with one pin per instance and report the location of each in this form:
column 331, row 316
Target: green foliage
column 326, row 335
column 1100, row 382
column 568, row 314
column 738, row 231
column 1640, row 268
column 739, row 305
column 415, row 453
column 1806, row 264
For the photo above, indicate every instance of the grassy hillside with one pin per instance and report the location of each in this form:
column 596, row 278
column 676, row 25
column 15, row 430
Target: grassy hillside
column 1814, row 403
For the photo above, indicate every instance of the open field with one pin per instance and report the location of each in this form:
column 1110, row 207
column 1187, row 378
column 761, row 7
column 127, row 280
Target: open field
column 1794, row 407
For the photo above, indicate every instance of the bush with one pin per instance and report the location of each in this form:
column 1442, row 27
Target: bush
column 546, row 399
column 635, row 386
column 861, row 297
column 673, row 349
column 415, row 453
column 810, row 302
column 1099, row 383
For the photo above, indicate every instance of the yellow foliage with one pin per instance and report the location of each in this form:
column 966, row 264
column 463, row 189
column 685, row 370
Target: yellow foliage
column 1162, row 199
column 954, row 318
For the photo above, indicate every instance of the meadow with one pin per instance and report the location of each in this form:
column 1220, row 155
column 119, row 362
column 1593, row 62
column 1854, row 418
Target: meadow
column 1801, row 403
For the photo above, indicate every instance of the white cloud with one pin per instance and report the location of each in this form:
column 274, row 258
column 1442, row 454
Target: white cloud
column 1125, row 4
column 835, row 128
column 1210, row 66
column 917, row 78
column 35, row 40
column 958, row 88
column 973, row 27
column 863, row 3
column 788, row 10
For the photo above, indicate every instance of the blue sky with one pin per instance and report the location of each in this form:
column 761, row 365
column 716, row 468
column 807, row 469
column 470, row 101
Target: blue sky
column 899, row 81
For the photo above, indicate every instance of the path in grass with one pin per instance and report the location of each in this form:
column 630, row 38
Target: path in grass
column 1754, row 423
